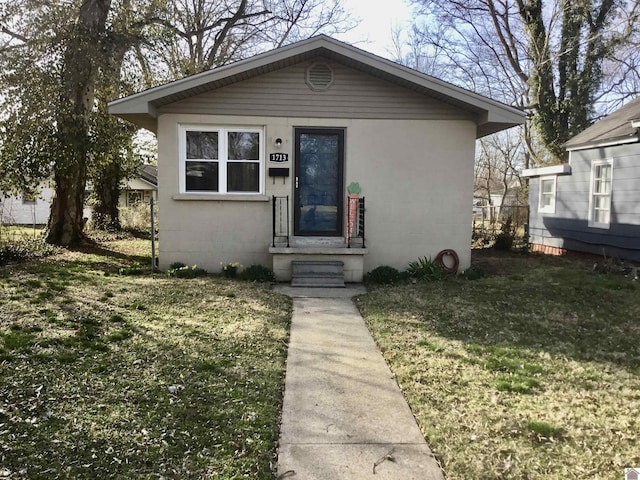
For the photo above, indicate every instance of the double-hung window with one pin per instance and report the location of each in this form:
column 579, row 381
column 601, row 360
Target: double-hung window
column 600, row 198
column 220, row 160
column 547, row 199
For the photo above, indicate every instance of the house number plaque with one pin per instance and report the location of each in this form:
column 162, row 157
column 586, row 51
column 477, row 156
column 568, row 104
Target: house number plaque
column 279, row 157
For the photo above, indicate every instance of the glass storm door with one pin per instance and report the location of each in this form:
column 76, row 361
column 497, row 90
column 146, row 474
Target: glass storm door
column 319, row 159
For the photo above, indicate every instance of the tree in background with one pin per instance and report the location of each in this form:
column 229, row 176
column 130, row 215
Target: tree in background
column 557, row 60
column 497, row 167
column 192, row 36
column 113, row 152
column 49, row 79
column 64, row 60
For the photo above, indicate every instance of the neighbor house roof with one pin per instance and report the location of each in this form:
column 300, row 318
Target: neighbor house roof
column 149, row 174
column 619, row 127
column 141, row 108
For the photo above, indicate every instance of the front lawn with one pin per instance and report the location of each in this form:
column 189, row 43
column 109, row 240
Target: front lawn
column 110, row 376
column 532, row 372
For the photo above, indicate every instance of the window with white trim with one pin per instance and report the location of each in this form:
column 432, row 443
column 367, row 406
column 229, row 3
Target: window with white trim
column 600, row 195
column 220, row 160
column 547, row 197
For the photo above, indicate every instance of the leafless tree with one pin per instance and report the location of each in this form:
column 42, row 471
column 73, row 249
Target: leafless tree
column 560, row 60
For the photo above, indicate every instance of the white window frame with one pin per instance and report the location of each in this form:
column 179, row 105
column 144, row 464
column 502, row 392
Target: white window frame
column 592, row 195
column 552, row 207
column 223, row 161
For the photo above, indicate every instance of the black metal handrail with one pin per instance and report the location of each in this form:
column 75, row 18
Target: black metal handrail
column 355, row 220
column 280, row 219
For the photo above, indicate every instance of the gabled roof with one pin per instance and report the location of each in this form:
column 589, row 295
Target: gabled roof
column 613, row 129
column 141, row 108
column 149, row 174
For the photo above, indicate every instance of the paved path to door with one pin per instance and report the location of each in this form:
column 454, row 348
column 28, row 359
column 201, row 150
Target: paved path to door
column 344, row 416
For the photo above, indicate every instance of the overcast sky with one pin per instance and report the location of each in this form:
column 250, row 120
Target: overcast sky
column 378, row 18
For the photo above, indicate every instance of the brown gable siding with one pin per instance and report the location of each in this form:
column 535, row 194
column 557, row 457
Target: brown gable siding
column 284, row 93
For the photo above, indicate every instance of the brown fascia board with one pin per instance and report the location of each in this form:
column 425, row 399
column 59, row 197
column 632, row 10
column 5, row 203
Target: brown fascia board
column 493, row 116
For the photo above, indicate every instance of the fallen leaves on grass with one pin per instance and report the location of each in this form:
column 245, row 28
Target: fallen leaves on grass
column 106, row 376
column 532, row 371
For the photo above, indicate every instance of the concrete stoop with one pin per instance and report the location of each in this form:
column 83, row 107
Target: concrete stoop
column 317, row 273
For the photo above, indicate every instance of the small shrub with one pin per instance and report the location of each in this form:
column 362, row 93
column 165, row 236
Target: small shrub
column 504, row 241
column 132, row 270
column 186, row 271
column 474, row 273
column 137, row 218
column 426, row 269
column 230, row 270
column 258, row 273
column 383, row 275
column 615, row 266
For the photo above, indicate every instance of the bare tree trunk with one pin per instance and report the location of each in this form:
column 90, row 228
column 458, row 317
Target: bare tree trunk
column 65, row 219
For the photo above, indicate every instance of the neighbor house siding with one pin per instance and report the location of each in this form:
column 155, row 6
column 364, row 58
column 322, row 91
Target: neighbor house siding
column 14, row 211
column 284, row 93
column 569, row 228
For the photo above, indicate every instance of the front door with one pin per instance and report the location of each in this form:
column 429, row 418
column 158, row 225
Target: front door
column 319, row 159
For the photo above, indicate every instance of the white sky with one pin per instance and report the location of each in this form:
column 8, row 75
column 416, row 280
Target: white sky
column 378, row 18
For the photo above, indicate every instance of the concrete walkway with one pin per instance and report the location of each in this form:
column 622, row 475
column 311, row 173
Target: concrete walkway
column 344, row 416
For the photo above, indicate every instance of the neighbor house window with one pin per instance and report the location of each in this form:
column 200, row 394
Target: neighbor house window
column 600, row 199
column 220, row 160
column 135, row 197
column 28, row 199
column 547, row 200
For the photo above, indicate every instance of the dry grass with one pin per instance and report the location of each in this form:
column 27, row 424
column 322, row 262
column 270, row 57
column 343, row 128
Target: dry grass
column 530, row 372
column 109, row 376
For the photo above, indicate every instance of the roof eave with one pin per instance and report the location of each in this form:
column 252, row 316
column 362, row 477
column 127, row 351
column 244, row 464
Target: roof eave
column 562, row 169
column 609, row 142
column 139, row 108
column 148, row 182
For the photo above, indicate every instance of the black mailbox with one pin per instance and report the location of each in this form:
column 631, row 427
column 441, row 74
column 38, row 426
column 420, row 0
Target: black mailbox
column 278, row 172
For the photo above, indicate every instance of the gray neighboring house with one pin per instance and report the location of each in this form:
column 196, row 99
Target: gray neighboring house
column 592, row 203
column 255, row 160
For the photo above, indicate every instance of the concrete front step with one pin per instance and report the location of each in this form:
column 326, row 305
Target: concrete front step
column 335, row 242
column 303, row 267
column 317, row 273
column 319, row 282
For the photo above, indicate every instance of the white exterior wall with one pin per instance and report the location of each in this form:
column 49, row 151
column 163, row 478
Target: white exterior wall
column 13, row 211
column 416, row 175
column 148, row 190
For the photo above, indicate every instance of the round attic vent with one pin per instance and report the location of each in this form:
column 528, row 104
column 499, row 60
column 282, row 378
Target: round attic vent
column 319, row 76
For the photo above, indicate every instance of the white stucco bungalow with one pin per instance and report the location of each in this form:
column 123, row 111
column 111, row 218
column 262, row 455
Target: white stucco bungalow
column 255, row 160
